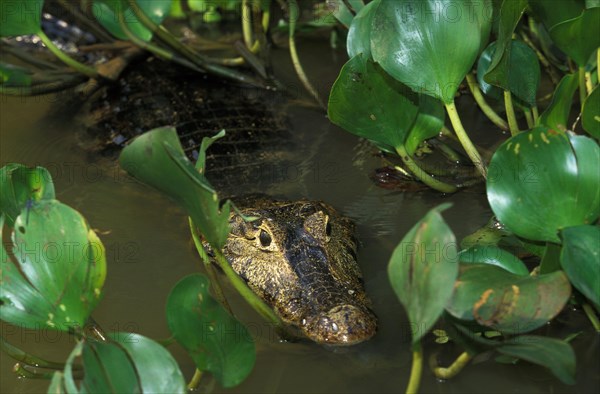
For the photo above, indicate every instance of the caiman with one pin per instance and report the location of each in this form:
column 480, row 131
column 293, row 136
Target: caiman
column 299, row 256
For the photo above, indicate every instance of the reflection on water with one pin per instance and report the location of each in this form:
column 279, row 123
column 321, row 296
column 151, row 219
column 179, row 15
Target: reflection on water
column 149, row 249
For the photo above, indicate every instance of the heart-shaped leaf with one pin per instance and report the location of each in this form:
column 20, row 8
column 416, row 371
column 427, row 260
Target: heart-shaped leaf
column 52, row 274
column 215, row 340
column 557, row 113
column 552, row 13
column 20, row 17
column 506, row 302
column 580, row 258
column 590, row 117
column 579, row 37
column 542, row 181
column 20, row 186
column 367, row 102
column 430, row 45
column 556, row 355
column 359, row 34
column 497, row 71
column 157, row 158
column 128, row 363
column 109, row 12
column 520, row 74
column 493, row 255
column 422, row 270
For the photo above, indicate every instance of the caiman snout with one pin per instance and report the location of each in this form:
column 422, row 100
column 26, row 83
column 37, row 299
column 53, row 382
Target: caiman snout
column 342, row 325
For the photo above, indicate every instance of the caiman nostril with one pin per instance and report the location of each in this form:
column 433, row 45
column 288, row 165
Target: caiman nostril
column 343, row 325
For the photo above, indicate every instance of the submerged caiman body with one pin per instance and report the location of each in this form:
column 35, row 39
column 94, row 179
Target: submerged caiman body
column 300, row 258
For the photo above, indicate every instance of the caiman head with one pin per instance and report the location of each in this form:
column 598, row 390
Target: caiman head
column 300, row 258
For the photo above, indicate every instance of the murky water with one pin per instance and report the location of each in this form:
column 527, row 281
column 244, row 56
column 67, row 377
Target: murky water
column 149, row 250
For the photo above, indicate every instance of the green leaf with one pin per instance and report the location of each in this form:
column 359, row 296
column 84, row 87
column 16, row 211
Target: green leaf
column 108, row 12
column 359, row 34
column 506, row 302
column 519, row 74
column 156, row 370
column 579, row 37
column 493, row 255
column 52, row 274
column 557, row 113
column 428, row 124
column 422, row 270
column 430, row 45
column 501, row 65
column 157, row 158
column 542, row 181
column 580, row 259
column 590, row 118
column 20, row 17
column 13, row 76
column 552, row 13
column 341, row 12
column 554, row 354
column 215, row 340
column 19, row 185
column 367, row 102
column 108, row 369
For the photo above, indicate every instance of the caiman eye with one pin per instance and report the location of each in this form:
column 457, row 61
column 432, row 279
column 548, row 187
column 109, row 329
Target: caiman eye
column 265, row 238
column 328, row 229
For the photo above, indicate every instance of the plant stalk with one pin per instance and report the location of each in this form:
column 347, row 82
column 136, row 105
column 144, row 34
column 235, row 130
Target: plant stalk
column 582, row 89
column 453, row 370
column 536, row 114
column 588, row 83
column 510, row 113
column 422, row 175
column 29, row 359
column 23, row 372
column 293, row 11
column 214, row 279
column 255, row 302
column 482, row 103
column 416, row 369
column 528, row 118
column 591, row 315
column 464, row 138
column 69, row 61
column 188, row 53
column 195, row 382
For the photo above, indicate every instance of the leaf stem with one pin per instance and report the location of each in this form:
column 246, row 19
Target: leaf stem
column 422, row 175
column 510, row 113
column 29, row 359
column 464, row 138
column 188, row 53
column 453, row 370
column 293, row 11
column 416, row 369
column 591, row 315
column 255, row 302
column 536, row 114
column 482, row 103
column 588, row 83
column 69, row 61
column 528, row 118
column 23, row 372
column 214, row 279
column 582, row 91
column 195, row 382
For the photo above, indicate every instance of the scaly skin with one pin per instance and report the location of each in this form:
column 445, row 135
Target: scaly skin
column 300, row 258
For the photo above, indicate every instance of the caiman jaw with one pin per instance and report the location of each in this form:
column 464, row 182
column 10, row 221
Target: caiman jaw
column 342, row 325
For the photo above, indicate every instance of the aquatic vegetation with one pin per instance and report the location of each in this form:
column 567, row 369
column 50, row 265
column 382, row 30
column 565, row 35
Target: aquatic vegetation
column 52, row 276
column 407, row 63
